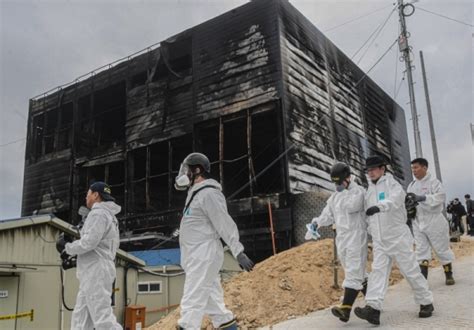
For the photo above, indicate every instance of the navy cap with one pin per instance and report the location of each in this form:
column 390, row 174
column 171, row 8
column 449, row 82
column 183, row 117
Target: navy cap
column 374, row 161
column 103, row 189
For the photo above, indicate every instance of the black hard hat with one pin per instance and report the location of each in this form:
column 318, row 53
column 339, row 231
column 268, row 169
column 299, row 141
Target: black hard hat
column 374, row 161
column 339, row 172
column 198, row 159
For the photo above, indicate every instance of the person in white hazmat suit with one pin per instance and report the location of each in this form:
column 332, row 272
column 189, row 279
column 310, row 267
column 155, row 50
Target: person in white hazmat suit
column 345, row 208
column 430, row 227
column 205, row 221
column 392, row 241
column 96, row 250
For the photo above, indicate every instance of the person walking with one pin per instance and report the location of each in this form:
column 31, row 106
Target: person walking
column 345, row 208
column 457, row 211
column 392, row 241
column 470, row 213
column 96, row 251
column 205, row 221
column 430, row 227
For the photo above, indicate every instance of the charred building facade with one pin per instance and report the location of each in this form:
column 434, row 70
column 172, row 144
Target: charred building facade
column 242, row 88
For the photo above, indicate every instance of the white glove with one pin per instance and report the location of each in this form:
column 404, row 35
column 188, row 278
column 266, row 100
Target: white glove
column 312, row 232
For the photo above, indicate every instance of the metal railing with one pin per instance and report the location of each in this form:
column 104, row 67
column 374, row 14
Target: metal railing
column 96, row 71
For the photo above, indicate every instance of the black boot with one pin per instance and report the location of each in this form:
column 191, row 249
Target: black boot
column 231, row 325
column 369, row 314
column 364, row 287
column 343, row 312
column 448, row 271
column 424, row 268
column 426, row 310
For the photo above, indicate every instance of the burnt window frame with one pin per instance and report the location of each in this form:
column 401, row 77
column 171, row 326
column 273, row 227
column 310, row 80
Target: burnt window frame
column 42, row 130
column 248, row 116
column 174, row 199
column 85, row 184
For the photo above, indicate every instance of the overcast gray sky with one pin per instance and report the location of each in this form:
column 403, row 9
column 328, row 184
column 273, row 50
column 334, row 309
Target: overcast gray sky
column 47, row 43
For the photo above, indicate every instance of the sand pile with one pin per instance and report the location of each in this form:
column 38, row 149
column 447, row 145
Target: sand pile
column 292, row 283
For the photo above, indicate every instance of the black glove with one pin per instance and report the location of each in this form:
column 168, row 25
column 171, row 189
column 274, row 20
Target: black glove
column 245, row 262
column 62, row 240
column 372, row 210
column 410, row 201
column 65, row 255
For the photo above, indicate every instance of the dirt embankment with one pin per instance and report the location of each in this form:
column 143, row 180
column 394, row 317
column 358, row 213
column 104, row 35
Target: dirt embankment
column 289, row 284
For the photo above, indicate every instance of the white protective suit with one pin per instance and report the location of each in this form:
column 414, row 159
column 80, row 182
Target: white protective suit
column 431, row 229
column 392, row 241
column 202, row 255
column 346, row 210
column 96, row 273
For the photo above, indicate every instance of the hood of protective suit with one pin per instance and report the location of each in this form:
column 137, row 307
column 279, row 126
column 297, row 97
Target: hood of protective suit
column 110, row 207
column 207, row 182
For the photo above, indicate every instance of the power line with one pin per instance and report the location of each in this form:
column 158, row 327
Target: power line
column 396, row 76
column 376, row 35
column 370, row 36
column 446, row 17
column 399, row 86
column 380, row 58
column 12, row 142
column 356, row 18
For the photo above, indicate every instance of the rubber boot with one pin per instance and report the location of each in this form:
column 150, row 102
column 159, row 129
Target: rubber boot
column 343, row 312
column 369, row 314
column 231, row 325
column 448, row 271
column 426, row 310
column 424, row 268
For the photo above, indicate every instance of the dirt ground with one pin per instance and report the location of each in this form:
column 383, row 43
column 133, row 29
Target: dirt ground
column 290, row 284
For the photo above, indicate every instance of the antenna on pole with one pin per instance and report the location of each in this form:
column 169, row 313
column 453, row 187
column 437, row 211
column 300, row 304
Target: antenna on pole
column 430, row 119
column 405, row 10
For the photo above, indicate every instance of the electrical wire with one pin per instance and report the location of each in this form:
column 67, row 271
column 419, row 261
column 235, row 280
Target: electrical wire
column 62, row 291
column 39, row 235
column 356, row 18
column 158, row 274
column 399, row 86
column 443, row 16
column 396, row 70
column 12, row 142
column 376, row 32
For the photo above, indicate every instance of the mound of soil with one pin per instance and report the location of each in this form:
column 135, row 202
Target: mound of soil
column 292, row 283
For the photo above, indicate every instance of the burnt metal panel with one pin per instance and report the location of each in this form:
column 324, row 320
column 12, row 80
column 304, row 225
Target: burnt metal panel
column 46, row 187
column 333, row 112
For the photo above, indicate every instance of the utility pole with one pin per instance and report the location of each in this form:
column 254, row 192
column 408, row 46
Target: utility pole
column 430, row 119
column 405, row 50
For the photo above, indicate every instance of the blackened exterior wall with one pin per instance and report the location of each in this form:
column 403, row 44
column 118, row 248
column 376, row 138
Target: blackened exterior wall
column 242, row 88
column 332, row 112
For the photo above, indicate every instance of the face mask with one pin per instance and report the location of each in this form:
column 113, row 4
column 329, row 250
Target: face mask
column 182, row 181
column 340, row 187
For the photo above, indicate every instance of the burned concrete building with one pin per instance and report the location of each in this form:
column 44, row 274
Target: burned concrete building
column 256, row 88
